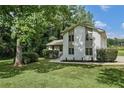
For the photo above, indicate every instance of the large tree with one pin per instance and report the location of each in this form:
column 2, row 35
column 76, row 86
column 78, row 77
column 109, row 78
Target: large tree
column 24, row 21
column 21, row 21
column 34, row 25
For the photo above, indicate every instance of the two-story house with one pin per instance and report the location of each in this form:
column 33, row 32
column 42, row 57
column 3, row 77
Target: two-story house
column 80, row 42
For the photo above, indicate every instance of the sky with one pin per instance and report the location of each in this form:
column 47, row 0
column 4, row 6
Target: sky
column 110, row 18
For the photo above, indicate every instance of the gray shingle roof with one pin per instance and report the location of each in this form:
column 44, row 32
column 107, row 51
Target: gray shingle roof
column 55, row 42
column 67, row 29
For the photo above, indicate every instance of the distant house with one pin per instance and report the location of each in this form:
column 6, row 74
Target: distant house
column 121, row 43
column 80, row 42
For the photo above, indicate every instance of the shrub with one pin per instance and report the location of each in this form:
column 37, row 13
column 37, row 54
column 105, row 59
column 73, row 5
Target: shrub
column 50, row 53
column 106, row 55
column 6, row 52
column 45, row 53
column 29, row 57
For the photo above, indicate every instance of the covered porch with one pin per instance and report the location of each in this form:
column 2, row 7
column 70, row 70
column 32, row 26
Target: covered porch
column 56, row 45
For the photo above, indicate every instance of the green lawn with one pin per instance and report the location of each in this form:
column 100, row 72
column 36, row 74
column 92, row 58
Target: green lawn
column 120, row 52
column 45, row 74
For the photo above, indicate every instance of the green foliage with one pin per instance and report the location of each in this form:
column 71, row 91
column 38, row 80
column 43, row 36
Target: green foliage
column 50, row 53
column 6, row 52
column 7, row 44
column 52, row 38
column 107, row 55
column 29, row 57
column 80, row 15
column 36, row 25
column 114, row 42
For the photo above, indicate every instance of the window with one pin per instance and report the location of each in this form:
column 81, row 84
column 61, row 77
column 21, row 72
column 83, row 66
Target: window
column 89, row 51
column 71, row 38
column 61, row 48
column 71, row 51
column 52, row 47
column 86, row 36
column 89, row 36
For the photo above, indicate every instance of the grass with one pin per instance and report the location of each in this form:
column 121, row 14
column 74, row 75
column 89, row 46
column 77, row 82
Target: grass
column 44, row 74
column 120, row 52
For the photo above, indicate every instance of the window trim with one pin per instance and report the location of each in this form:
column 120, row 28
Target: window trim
column 89, row 51
column 71, row 51
column 71, row 37
column 87, row 38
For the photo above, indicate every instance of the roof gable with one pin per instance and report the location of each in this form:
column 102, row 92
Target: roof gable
column 55, row 42
column 67, row 29
column 72, row 27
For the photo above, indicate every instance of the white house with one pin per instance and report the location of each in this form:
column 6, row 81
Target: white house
column 80, row 42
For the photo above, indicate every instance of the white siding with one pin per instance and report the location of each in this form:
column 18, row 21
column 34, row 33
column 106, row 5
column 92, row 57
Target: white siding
column 99, row 41
column 79, row 45
column 103, row 41
column 65, row 47
column 96, row 43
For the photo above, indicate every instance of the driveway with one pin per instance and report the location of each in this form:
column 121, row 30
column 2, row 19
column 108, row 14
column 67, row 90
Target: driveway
column 120, row 59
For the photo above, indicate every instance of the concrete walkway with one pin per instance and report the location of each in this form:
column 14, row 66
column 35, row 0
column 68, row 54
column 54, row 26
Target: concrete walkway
column 120, row 61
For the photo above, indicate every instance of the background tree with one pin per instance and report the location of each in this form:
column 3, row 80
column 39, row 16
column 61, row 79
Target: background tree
column 6, row 43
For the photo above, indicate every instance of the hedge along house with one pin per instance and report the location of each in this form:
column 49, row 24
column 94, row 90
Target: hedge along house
column 80, row 42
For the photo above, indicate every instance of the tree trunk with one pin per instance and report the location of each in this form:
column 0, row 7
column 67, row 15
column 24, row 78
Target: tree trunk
column 18, row 59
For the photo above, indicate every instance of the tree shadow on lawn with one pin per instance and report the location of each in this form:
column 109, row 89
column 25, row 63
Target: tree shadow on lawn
column 7, row 70
column 112, row 76
column 44, row 67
